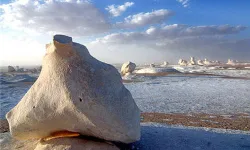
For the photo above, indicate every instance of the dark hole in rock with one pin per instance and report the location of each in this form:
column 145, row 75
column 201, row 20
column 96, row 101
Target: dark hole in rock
column 80, row 99
column 34, row 106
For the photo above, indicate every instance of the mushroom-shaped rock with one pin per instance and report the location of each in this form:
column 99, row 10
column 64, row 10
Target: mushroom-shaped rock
column 77, row 93
column 127, row 67
column 11, row 69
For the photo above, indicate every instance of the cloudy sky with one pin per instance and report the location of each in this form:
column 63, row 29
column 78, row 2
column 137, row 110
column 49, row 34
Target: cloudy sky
column 115, row 31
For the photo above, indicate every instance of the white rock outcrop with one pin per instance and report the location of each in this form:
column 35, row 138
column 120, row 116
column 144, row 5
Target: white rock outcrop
column 207, row 62
column 127, row 67
column 182, row 62
column 78, row 93
column 11, row 69
column 231, row 62
column 192, row 61
column 200, row 62
column 165, row 63
column 152, row 65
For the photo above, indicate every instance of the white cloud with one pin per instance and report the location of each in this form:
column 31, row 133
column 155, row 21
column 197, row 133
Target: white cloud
column 170, row 32
column 117, row 10
column 72, row 17
column 176, row 30
column 20, row 50
column 184, row 3
column 175, row 41
column 143, row 19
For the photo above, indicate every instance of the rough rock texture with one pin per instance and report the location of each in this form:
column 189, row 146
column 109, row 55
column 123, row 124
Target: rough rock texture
column 127, row 67
column 78, row 93
column 74, row 144
column 11, row 69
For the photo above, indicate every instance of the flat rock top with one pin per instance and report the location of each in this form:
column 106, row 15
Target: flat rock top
column 62, row 39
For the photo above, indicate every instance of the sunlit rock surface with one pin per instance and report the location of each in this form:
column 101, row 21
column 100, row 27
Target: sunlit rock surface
column 165, row 63
column 78, row 93
column 192, row 61
column 182, row 62
column 127, row 67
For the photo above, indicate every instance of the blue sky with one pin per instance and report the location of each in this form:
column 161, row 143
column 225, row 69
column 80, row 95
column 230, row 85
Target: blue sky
column 117, row 31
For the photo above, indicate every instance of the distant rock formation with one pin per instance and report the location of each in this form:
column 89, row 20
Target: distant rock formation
column 165, row 63
column 20, row 70
column 78, row 93
column 152, row 65
column 207, row 62
column 39, row 68
column 11, row 69
column 182, row 62
column 200, row 62
column 192, row 61
column 127, row 67
column 231, row 62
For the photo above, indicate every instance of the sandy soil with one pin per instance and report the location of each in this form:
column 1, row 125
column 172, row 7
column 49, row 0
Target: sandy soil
column 234, row 122
column 229, row 121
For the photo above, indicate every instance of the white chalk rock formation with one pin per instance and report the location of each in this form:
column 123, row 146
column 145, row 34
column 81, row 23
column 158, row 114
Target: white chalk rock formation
column 231, row 62
column 182, row 62
column 78, row 93
column 165, row 63
column 192, row 61
column 127, row 67
column 11, row 69
column 152, row 65
column 74, row 144
column 207, row 62
column 200, row 62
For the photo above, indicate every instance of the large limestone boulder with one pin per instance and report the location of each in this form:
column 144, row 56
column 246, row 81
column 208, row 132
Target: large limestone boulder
column 74, row 144
column 78, row 93
column 127, row 67
column 11, row 69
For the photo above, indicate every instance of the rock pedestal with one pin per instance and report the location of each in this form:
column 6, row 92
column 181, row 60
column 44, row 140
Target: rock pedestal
column 76, row 92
